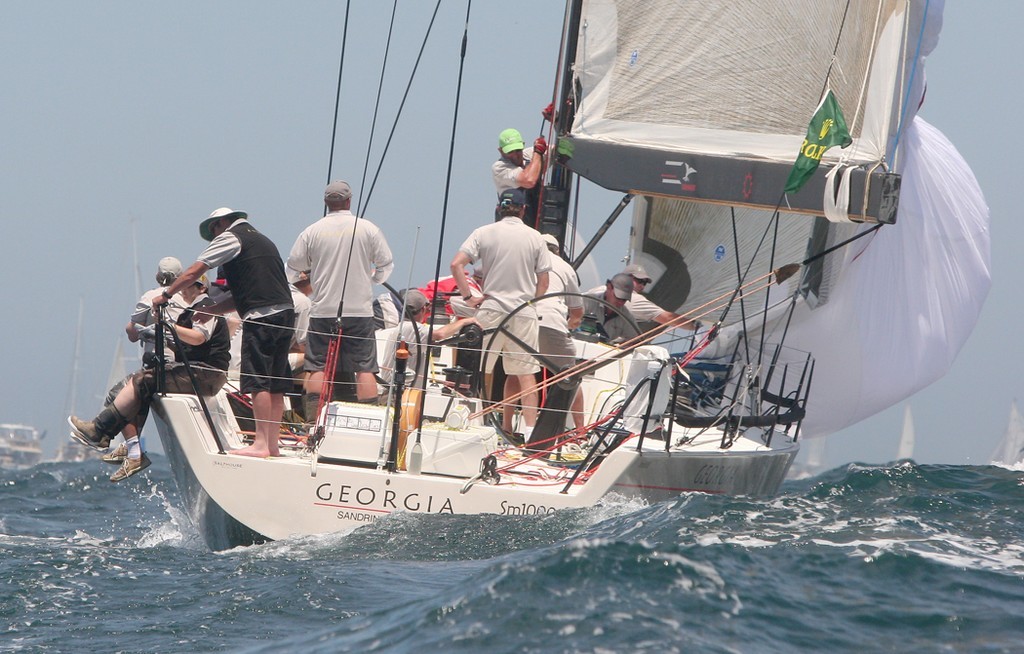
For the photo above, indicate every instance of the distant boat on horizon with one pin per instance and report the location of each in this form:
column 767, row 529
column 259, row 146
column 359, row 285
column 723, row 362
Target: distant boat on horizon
column 20, row 446
column 1010, row 450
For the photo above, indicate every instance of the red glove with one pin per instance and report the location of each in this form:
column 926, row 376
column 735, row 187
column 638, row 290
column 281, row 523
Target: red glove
column 548, row 112
column 540, row 146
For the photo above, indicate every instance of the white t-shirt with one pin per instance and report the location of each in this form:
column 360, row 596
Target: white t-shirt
column 505, row 172
column 509, row 255
column 407, row 332
column 143, row 316
column 562, row 278
column 322, row 250
column 302, row 307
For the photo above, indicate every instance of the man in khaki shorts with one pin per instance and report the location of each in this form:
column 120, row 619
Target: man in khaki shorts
column 514, row 261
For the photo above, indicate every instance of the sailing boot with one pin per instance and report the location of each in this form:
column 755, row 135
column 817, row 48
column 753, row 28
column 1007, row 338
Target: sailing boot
column 118, row 456
column 310, row 404
column 129, row 467
column 98, row 433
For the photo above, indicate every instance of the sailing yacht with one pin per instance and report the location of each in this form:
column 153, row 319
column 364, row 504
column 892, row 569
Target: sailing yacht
column 695, row 112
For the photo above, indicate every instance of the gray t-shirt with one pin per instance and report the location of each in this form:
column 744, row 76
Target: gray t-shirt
column 322, row 250
column 615, row 325
column 509, row 255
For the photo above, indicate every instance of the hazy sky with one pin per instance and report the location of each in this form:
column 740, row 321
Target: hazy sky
column 146, row 116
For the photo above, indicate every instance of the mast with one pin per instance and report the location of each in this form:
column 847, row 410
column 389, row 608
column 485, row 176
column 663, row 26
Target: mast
column 71, row 399
column 555, row 211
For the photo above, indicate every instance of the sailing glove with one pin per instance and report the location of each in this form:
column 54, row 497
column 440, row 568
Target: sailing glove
column 548, row 112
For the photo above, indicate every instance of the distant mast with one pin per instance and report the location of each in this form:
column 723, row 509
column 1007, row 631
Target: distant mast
column 1011, row 449
column 906, row 448
column 72, row 396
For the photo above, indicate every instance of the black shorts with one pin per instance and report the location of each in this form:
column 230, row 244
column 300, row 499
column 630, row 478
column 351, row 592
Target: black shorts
column 265, row 345
column 358, row 351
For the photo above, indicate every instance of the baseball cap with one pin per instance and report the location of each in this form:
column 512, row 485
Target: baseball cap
column 510, row 140
column 637, row 271
column 414, row 300
column 338, row 190
column 550, row 241
column 622, row 286
column 223, row 212
column 169, row 266
column 512, row 196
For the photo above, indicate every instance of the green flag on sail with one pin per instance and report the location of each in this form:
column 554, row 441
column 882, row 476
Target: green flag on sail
column 827, row 128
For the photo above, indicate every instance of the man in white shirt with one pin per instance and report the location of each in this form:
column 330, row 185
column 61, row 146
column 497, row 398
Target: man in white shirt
column 344, row 256
column 514, row 262
column 558, row 317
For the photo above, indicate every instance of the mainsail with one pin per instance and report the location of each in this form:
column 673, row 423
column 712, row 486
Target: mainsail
column 700, row 109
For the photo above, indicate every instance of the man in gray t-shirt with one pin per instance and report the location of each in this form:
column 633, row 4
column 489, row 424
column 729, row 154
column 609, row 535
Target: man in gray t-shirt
column 514, row 261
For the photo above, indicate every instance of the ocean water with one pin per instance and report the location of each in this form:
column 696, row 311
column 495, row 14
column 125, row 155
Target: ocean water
column 900, row 558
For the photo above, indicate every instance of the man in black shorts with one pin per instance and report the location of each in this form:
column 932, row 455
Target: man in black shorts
column 259, row 292
column 344, row 255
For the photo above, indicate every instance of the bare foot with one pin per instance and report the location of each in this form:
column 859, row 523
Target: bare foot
column 253, row 452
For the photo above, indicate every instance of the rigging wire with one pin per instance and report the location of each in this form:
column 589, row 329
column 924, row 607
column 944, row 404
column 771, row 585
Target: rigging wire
column 376, row 107
column 910, row 82
column 337, row 96
column 739, row 277
column 447, row 186
column 401, row 106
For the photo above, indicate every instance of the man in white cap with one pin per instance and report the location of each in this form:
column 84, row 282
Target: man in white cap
column 204, row 342
column 141, row 328
column 647, row 313
column 515, row 263
column 344, row 256
column 142, row 325
column 259, row 292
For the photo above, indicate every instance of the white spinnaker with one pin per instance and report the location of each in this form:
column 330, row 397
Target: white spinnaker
column 909, row 295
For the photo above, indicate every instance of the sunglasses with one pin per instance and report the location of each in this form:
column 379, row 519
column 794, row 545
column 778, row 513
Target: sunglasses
column 643, row 281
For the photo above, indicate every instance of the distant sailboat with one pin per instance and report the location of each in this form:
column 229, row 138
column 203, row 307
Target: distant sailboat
column 906, row 448
column 1010, row 450
column 814, row 462
column 69, row 451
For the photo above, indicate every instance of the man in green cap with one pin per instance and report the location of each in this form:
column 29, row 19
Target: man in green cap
column 519, row 167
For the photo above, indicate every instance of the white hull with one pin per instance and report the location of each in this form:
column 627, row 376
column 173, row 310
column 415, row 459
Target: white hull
column 236, row 500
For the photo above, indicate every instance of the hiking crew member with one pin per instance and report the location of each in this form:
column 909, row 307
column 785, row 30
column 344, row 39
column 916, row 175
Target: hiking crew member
column 205, row 344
